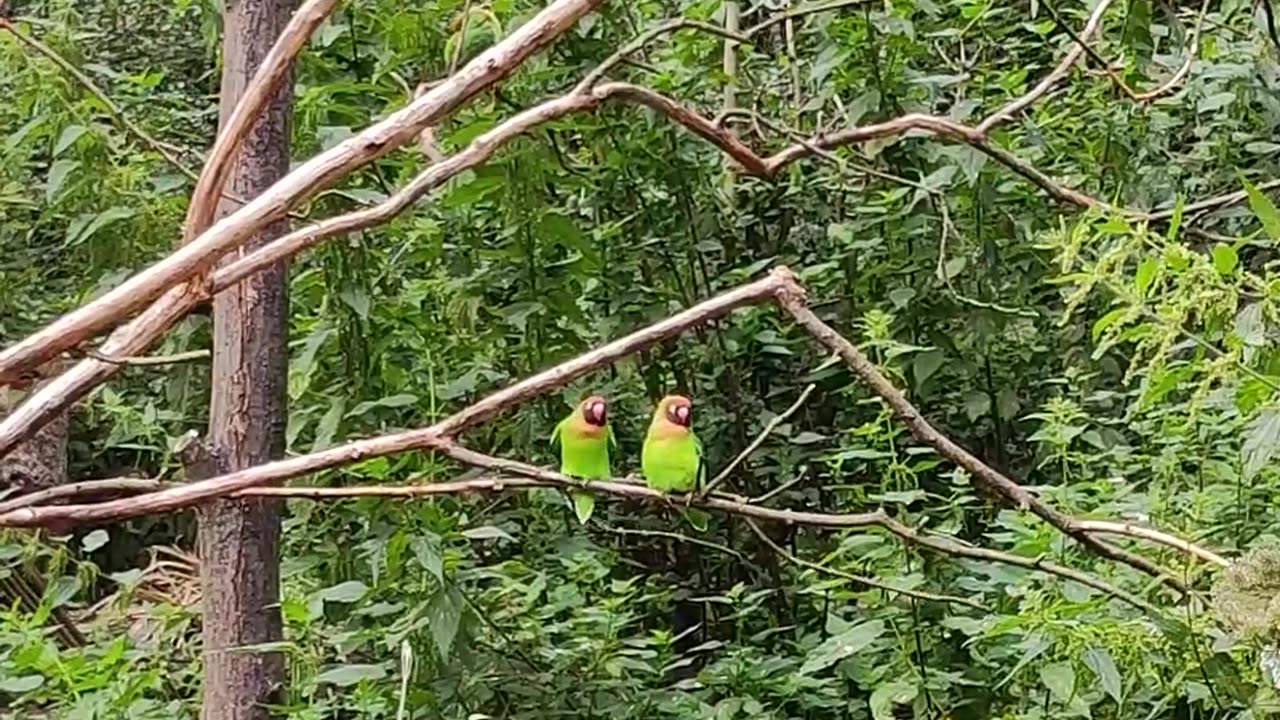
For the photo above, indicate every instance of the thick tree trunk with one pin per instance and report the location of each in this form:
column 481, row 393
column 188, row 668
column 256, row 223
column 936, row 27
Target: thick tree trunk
column 239, row 539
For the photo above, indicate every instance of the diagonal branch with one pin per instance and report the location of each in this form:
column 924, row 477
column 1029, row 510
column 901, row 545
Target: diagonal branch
column 484, row 71
column 437, row 436
column 1064, row 66
column 986, row 475
column 759, row 440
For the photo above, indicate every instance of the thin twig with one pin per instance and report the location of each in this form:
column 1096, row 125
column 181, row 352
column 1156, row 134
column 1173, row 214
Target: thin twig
column 150, row 360
column 641, row 532
column 759, row 439
column 858, row 579
column 83, row 489
column 114, row 110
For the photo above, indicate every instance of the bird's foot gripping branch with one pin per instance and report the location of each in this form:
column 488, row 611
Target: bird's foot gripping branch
column 779, row 286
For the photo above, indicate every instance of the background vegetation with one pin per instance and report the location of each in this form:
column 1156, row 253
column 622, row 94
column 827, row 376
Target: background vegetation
column 1125, row 369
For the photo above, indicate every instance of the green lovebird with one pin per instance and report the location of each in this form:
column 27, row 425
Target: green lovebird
column 671, row 458
column 585, row 438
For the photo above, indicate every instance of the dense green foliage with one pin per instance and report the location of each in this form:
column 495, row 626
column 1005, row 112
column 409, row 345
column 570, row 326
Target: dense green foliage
column 1126, row 370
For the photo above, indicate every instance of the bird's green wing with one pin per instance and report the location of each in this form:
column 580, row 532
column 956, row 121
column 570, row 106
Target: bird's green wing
column 701, row 480
column 555, row 434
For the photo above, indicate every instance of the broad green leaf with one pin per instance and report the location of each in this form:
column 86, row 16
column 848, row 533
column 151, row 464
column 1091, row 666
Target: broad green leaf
column 838, row 647
column 21, row 684
column 926, row 364
column 345, row 592
column 1106, row 321
column 427, row 551
column 1224, row 258
column 348, row 675
column 1264, row 209
column 1145, row 275
column 1060, row 678
column 444, row 615
column 69, row 135
column 62, row 589
column 1137, row 29
column 58, row 174
column 1260, row 440
column 87, row 225
column 1100, row 662
column 886, row 696
column 487, row 532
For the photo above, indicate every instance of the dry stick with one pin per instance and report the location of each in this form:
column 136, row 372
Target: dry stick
column 85, row 488
column 759, row 439
column 801, row 12
column 275, row 67
column 1073, row 55
column 670, row 536
column 1145, row 533
column 857, row 579
column 321, row 171
column 148, row 360
column 1193, row 49
column 112, row 108
column 432, row 437
column 927, row 434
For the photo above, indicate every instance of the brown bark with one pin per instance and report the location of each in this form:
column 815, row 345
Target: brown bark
column 239, row 538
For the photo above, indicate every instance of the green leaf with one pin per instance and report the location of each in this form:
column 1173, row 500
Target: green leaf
column 926, row 364
column 345, row 592
column 1100, row 662
column 1264, row 209
column 583, row 505
column 885, row 697
column 87, row 225
column 348, row 675
column 838, row 647
column 94, row 540
column 1137, row 28
column 69, row 135
column 58, row 174
column 1175, row 220
column 1060, row 678
column 1145, row 275
column 1260, row 439
column 444, row 615
column 1225, row 259
column 487, row 532
column 25, row 683
column 62, row 589
column 1105, row 322
column 427, row 551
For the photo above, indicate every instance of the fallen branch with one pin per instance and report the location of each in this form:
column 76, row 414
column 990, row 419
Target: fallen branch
column 87, row 488
column 484, row 71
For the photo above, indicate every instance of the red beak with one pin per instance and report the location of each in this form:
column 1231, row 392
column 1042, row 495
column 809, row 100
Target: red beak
column 682, row 413
column 598, row 412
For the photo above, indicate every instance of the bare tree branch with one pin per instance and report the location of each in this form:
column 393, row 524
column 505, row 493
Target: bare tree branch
column 84, row 489
column 436, row 437
column 986, row 475
column 258, row 94
column 482, row 72
column 1073, row 55
column 1107, row 527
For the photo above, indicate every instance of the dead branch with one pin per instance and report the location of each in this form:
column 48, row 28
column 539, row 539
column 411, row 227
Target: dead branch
column 86, row 488
column 257, row 95
column 1073, row 55
column 986, row 475
column 1106, row 527
column 485, row 70
column 150, row 360
column 856, row 579
column 436, row 437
